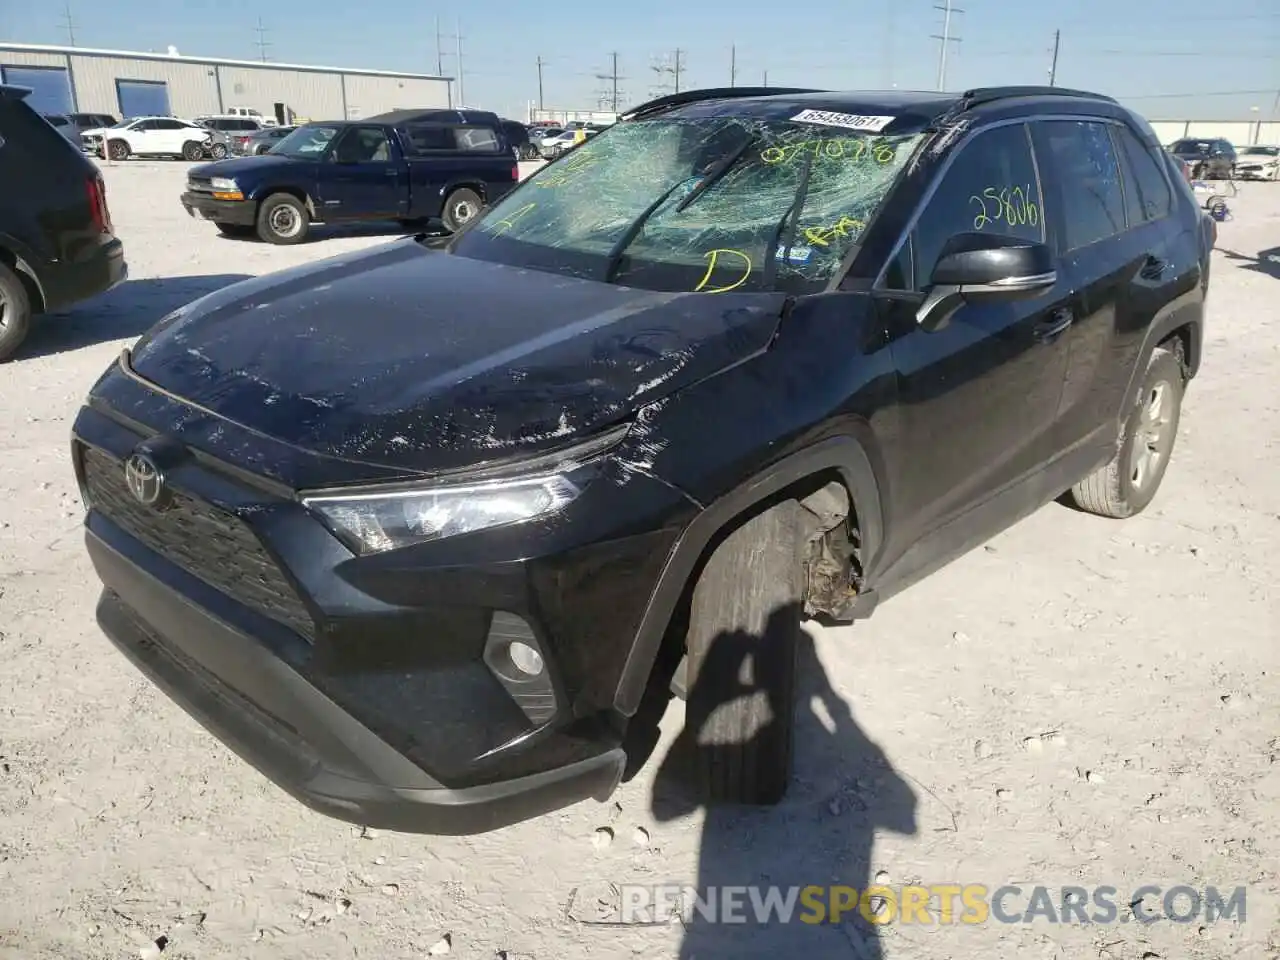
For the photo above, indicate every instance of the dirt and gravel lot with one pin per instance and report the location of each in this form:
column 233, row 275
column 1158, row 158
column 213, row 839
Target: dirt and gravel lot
column 1081, row 702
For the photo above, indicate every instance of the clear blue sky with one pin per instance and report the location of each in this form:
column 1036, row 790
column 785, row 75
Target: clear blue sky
column 1167, row 58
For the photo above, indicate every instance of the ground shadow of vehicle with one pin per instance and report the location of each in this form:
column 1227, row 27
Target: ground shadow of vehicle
column 1266, row 262
column 820, row 835
column 127, row 311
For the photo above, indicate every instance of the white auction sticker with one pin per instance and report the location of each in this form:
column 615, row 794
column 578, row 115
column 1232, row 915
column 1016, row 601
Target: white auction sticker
column 848, row 120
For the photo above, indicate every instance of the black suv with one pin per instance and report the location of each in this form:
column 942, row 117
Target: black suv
column 1209, row 158
column 419, row 552
column 57, row 245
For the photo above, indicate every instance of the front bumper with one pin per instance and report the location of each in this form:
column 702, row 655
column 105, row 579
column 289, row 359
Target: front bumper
column 238, row 212
column 301, row 740
column 363, row 686
column 1256, row 171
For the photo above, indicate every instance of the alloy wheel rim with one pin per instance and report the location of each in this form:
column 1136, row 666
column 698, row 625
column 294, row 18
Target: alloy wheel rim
column 4, row 311
column 1153, row 436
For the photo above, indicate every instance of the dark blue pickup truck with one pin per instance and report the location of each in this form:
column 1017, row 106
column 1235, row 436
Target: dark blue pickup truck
column 410, row 166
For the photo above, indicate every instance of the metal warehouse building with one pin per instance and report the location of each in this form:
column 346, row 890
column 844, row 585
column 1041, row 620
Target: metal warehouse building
column 80, row 80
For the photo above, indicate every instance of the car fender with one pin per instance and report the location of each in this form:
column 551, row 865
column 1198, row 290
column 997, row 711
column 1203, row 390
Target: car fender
column 471, row 183
column 12, row 252
column 257, row 194
column 1184, row 311
column 843, row 454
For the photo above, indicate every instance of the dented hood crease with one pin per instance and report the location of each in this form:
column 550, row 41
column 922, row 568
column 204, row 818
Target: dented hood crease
column 429, row 361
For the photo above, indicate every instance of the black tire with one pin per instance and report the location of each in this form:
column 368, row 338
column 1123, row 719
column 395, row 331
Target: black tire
column 234, row 230
column 218, row 151
column 15, row 312
column 192, row 151
column 118, row 150
column 744, row 622
column 283, row 219
column 1120, row 489
column 460, row 208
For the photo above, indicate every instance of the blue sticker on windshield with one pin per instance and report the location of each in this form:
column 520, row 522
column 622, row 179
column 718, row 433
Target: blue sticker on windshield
column 795, row 254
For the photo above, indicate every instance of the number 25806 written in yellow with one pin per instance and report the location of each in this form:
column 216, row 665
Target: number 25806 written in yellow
column 1010, row 205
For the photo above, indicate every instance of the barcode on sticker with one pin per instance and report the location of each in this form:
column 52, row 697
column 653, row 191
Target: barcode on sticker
column 847, row 120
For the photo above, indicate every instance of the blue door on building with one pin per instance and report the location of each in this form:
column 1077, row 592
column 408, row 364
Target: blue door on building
column 143, row 98
column 50, row 87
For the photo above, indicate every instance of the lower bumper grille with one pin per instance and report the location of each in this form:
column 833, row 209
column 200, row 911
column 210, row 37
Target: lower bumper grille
column 206, row 542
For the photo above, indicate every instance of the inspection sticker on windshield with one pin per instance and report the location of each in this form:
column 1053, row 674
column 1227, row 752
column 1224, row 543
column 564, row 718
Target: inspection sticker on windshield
column 828, row 119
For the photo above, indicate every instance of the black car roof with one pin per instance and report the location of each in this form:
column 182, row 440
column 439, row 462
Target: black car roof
column 396, row 117
column 911, row 109
column 10, row 92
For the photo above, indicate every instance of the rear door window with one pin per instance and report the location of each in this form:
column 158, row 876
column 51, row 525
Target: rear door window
column 990, row 187
column 1085, row 179
column 1146, row 191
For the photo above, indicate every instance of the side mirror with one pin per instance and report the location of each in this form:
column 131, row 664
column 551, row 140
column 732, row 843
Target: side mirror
column 984, row 266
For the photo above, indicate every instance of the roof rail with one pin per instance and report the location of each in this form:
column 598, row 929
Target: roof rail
column 980, row 95
column 673, row 100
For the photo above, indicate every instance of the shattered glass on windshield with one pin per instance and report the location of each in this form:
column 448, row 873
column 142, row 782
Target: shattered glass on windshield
column 709, row 205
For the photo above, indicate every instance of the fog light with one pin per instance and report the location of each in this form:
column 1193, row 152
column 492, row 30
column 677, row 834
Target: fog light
column 525, row 659
column 512, row 653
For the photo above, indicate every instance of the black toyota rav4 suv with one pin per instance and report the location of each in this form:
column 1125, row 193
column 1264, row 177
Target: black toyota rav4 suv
column 419, row 552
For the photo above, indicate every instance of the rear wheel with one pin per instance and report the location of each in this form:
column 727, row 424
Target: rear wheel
column 218, row 151
column 1126, row 485
column 460, row 208
column 15, row 312
column 740, row 668
column 118, row 150
column 283, row 219
column 192, row 151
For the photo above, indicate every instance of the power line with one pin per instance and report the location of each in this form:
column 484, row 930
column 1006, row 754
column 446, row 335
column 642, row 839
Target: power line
column 262, row 41
column 673, row 69
column 1198, row 93
column 946, row 38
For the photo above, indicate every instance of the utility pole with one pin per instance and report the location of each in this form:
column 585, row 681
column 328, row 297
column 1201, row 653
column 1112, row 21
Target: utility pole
column 462, row 100
column 946, row 38
column 1053, row 64
column 733, row 65
column 439, row 50
column 263, row 42
column 673, row 69
column 541, row 103
column 764, row 78
column 611, row 96
column 70, row 23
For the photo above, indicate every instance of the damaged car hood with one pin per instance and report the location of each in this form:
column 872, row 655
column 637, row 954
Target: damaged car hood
column 422, row 360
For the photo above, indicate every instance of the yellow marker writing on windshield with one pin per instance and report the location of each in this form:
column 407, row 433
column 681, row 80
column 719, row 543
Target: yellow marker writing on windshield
column 821, row 236
column 506, row 223
column 713, row 258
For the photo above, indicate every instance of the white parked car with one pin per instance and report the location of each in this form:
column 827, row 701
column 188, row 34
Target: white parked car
column 149, row 137
column 1261, row 161
column 251, row 114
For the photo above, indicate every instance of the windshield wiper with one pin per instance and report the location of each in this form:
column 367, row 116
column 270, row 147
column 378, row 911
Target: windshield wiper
column 788, row 220
column 714, row 172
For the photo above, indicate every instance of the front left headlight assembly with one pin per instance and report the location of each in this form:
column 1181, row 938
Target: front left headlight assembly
column 389, row 517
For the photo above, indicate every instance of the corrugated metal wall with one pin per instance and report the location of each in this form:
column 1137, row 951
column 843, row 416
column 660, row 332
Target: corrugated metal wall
column 192, row 87
column 367, row 95
column 196, row 89
column 315, row 96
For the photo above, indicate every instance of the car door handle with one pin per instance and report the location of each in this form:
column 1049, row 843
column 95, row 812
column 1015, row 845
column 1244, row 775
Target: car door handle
column 1049, row 329
column 393, row 173
column 1154, row 268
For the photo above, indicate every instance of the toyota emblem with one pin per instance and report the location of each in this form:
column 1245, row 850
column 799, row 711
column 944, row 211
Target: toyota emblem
column 144, row 479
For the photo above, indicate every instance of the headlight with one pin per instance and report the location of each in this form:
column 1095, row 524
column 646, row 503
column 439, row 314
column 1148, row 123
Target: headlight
column 377, row 519
column 223, row 185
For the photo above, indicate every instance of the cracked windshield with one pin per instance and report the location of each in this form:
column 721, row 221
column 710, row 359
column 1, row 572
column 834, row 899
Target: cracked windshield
column 709, row 205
